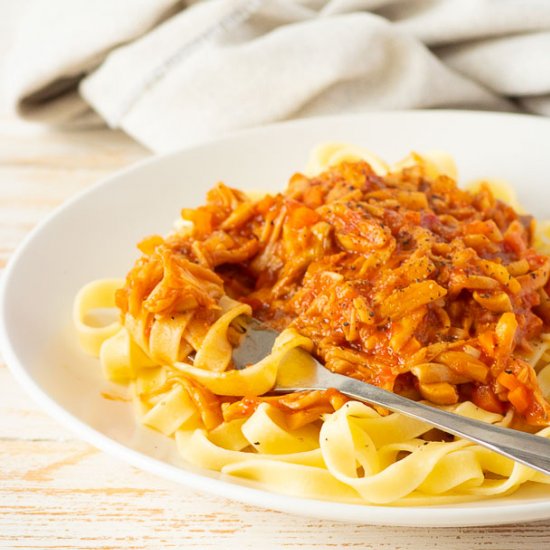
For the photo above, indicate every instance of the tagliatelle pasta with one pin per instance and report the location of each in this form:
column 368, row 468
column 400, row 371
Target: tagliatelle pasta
column 389, row 274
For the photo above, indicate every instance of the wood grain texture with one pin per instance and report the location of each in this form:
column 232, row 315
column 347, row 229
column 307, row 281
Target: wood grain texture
column 58, row 492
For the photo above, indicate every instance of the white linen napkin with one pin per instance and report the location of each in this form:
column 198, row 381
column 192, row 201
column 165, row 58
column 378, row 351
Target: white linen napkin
column 171, row 74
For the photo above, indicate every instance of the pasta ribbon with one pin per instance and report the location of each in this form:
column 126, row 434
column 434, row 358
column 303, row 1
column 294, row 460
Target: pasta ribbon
column 215, row 351
column 331, row 154
column 253, row 380
column 97, row 295
column 121, row 357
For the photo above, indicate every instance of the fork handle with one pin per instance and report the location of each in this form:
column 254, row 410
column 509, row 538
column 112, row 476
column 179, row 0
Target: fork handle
column 531, row 450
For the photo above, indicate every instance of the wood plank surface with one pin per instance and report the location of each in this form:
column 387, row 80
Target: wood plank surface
column 58, row 492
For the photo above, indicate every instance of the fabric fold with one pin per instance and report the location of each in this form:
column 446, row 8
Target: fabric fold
column 171, row 74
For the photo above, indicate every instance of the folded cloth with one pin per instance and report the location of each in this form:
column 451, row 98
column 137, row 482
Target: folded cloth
column 171, row 74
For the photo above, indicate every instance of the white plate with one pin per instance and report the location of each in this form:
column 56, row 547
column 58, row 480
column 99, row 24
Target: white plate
column 94, row 235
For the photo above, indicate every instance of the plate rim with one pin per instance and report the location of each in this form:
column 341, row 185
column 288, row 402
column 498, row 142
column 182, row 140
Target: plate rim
column 452, row 515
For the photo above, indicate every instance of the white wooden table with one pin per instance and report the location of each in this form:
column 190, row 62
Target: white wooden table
column 58, row 492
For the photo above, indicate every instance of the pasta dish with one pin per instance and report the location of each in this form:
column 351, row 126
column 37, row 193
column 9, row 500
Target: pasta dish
column 392, row 275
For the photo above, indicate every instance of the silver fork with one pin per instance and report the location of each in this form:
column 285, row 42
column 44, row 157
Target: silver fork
column 531, row 450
